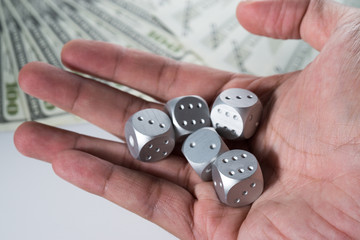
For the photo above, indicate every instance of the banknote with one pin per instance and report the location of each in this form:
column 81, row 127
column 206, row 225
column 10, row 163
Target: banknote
column 212, row 32
column 12, row 106
column 30, row 44
column 261, row 61
column 42, row 35
column 75, row 18
column 138, row 8
column 234, row 52
column 11, row 56
column 141, row 34
column 180, row 15
column 20, row 106
column 44, row 42
column 81, row 28
column 213, row 28
column 56, row 22
column 204, row 32
column 215, row 34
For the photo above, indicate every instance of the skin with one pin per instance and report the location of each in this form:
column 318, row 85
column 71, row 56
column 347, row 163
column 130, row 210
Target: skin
column 307, row 144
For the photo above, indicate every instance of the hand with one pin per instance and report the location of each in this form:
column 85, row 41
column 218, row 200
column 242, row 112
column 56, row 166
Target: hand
column 308, row 144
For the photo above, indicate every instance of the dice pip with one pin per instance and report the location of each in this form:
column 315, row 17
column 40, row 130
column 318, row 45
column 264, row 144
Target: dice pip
column 150, row 135
column 237, row 178
column 201, row 149
column 188, row 114
column 236, row 113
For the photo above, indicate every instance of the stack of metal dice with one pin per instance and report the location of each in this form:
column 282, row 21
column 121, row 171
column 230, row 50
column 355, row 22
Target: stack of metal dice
column 152, row 134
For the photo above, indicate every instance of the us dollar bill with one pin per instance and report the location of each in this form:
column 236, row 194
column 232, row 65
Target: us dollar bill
column 12, row 37
column 143, row 35
column 56, row 22
column 234, row 52
column 212, row 32
column 212, row 29
column 12, row 108
column 204, row 32
column 23, row 52
column 76, row 19
column 261, row 61
column 138, row 8
column 45, row 42
column 84, row 29
column 180, row 15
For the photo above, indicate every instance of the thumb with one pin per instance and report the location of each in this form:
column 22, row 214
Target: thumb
column 312, row 20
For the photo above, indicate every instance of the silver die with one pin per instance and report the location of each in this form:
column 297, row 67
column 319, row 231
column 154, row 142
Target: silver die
column 237, row 178
column 188, row 114
column 236, row 113
column 201, row 149
column 149, row 135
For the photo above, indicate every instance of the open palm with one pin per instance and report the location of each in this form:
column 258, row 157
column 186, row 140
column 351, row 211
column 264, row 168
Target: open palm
column 308, row 143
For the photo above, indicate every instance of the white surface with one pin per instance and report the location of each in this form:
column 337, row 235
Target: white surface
column 36, row 204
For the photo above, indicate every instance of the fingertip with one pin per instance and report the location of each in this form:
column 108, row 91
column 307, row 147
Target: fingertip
column 275, row 19
column 28, row 74
column 46, row 82
column 24, row 138
column 246, row 14
column 252, row 15
column 40, row 141
column 70, row 51
column 87, row 55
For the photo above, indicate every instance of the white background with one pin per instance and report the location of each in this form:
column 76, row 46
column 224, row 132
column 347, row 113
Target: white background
column 37, row 204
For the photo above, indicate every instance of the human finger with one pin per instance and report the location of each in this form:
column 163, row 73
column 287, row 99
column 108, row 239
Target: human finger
column 43, row 142
column 159, row 77
column 96, row 102
column 312, row 20
column 157, row 200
